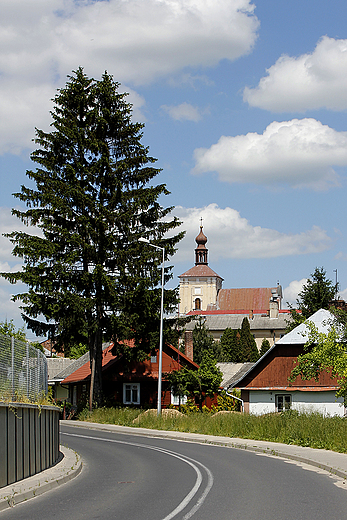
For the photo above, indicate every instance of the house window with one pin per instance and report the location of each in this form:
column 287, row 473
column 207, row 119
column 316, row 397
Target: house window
column 197, row 304
column 131, row 393
column 154, row 358
column 175, row 399
column 283, row 402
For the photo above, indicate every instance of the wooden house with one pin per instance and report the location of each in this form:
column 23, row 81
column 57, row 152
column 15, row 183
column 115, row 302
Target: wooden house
column 127, row 383
column 265, row 387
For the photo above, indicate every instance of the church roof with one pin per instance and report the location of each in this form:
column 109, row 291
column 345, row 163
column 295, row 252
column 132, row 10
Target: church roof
column 200, row 271
column 249, row 299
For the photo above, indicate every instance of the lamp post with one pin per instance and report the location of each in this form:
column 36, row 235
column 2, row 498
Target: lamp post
column 162, row 249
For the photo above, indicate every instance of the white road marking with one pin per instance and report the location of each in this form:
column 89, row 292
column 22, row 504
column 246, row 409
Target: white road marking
column 188, row 460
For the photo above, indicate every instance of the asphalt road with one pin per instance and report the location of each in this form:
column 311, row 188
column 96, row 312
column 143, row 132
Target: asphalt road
column 132, row 477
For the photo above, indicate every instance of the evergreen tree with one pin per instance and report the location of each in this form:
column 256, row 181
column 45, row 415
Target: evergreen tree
column 316, row 294
column 265, row 345
column 249, row 349
column 203, row 342
column 230, row 346
column 94, row 197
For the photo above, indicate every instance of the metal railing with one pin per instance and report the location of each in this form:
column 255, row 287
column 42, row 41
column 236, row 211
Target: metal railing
column 23, row 371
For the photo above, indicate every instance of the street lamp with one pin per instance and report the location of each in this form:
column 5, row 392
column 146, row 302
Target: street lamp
column 141, row 239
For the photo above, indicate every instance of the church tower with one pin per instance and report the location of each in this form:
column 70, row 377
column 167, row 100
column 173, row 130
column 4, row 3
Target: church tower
column 199, row 286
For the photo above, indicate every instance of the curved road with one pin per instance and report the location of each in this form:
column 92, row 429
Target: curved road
column 132, row 477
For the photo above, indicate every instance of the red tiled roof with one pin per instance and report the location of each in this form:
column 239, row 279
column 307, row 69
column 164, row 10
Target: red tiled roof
column 200, row 270
column 83, row 373
column 241, row 299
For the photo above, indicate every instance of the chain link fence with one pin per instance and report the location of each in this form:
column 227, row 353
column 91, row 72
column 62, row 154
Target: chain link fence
column 23, row 371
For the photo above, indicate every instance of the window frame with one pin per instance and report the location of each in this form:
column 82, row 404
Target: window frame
column 132, row 387
column 286, row 398
column 174, row 399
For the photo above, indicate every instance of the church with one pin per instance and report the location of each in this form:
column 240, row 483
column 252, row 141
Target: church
column 201, row 293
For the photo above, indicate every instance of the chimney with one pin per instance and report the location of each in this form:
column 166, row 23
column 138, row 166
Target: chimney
column 188, row 344
column 273, row 313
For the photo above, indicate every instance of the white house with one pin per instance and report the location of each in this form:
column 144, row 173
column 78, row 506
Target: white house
column 265, row 387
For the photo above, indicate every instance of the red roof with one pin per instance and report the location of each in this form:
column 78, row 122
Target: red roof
column 108, row 359
column 241, row 299
column 200, row 271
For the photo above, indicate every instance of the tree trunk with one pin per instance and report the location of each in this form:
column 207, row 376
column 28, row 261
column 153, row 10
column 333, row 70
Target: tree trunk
column 95, row 349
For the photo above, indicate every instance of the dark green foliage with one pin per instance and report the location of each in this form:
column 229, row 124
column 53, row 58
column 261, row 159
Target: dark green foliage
column 230, row 346
column 204, row 342
column 239, row 346
column 265, row 345
column 248, row 345
column 94, row 197
column 316, row 294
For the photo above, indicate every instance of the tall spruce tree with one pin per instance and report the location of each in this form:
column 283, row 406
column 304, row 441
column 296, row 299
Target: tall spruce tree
column 86, row 272
column 230, row 345
column 248, row 345
column 203, row 342
column 317, row 293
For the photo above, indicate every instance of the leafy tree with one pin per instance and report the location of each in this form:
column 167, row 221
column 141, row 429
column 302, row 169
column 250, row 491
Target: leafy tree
column 316, row 294
column 76, row 351
column 94, row 197
column 177, row 381
column 265, row 345
column 248, row 346
column 203, row 342
column 324, row 352
column 8, row 328
column 199, row 383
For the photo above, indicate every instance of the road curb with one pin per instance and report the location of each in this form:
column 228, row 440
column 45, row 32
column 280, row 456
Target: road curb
column 66, row 469
column 330, row 461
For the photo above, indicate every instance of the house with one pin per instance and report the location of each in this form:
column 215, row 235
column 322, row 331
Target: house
column 126, row 383
column 201, row 294
column 265, row 387
column 56, row 367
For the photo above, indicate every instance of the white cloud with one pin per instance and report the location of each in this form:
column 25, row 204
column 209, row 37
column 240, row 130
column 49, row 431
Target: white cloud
column 184, row 112
column 310, row 81
column 136, row 40
column 232, row 236
column 291, row 293
column 300, row 152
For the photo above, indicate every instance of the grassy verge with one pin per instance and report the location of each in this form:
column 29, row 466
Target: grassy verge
column 311, row 430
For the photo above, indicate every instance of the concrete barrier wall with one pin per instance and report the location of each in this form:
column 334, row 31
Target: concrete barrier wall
column 29, row 440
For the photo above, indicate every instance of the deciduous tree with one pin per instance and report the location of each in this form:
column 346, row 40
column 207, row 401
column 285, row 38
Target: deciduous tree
column 198, row 383
column 325, row 351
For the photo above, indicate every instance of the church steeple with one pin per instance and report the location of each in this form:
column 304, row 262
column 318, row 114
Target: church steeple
column 201, row 250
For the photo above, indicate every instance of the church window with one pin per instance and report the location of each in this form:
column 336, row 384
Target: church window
column 197, row 304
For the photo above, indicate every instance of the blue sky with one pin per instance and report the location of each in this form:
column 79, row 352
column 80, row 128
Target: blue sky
column 244, row 105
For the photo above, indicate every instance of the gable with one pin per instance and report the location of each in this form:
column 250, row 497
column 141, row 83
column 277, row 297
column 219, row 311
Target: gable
column 272, row 371
column 172, row 360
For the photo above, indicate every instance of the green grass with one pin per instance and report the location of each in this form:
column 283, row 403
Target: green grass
column 306, row 429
